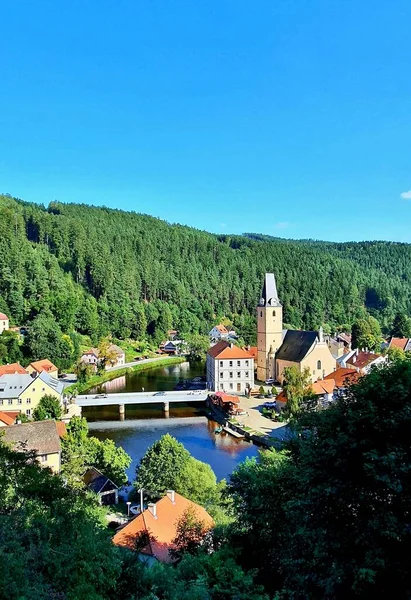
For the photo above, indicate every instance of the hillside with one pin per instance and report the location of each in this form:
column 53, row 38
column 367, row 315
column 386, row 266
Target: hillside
column 100, row 270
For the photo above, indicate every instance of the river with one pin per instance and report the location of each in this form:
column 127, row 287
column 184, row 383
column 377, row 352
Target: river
column 144, row 425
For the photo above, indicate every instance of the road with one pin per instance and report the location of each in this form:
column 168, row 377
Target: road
column 137, row 362
column 140, row 398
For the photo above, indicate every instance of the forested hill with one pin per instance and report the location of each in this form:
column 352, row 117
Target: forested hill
column 99, row 270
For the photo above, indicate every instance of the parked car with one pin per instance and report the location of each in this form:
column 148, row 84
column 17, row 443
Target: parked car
column 269, row 381
column 160, row 394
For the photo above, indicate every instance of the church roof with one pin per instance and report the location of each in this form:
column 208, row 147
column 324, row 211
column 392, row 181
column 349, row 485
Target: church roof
column 296, row 345
column 269, row 296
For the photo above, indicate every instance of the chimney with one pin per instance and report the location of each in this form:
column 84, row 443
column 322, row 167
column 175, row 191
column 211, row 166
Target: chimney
column 231, row 345
column 153, row 509
column 321, row 335
column 171, row 495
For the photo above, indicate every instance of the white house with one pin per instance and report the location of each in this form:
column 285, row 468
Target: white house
column 91, row 357
column 4, row 322
column 229, row 368
column 218, row 333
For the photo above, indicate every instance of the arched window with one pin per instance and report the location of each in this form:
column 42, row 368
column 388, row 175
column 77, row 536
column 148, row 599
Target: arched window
column 318, row 364
column 273, row 313
column 261, row 313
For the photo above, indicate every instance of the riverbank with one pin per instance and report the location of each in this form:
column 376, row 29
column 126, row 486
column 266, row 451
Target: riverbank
column 150, row 363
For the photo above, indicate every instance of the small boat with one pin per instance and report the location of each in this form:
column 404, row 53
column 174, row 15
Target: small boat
column 218, row 430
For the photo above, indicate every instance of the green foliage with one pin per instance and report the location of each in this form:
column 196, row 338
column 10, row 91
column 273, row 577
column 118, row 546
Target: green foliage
column 329, row 516
column 197, row 346
column 190, row 534
column 197, row 481
column 401, row 326
column 297, row 388
column 10, row 350
column 46, row 339
column 48, row 407
column 80, row 452
column 106, row 355
column 366, row 333
column 84, row 372
column 101, row 271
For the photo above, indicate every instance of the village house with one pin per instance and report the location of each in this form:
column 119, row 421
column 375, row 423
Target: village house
column 278, row 349
column 4, row 322
column 323, row 390
column 12, row 369
column 339, row 344
column 361, row 360
column 159, row 523
column 96, row 482
column 218, row 333
column 38, row 366
column 401, row 343
column 229, row 368
column 90, row 357
column 23, row 393
column 343, row 377
column 43, row 437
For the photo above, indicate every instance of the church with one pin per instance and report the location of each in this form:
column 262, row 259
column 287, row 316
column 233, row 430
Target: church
column 278, row 348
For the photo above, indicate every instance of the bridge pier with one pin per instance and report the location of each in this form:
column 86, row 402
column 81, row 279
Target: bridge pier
column 166, row 410
column 122, row 411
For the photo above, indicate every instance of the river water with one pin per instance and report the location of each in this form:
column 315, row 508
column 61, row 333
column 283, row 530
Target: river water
column 144, row 425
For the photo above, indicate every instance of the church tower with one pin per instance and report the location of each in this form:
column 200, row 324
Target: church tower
column 269, row 328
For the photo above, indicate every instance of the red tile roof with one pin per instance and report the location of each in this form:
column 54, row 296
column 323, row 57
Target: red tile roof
column 162, row 528
column 228, row 351
column 7, row 419
column 61, row 428
column 3, row 317
column 362, row 359
column 222, row 328
column 343, row 377
column 226, row 398
column 12, row 369
column 399, row 342
column 253, row 350
column 323, row 387
column 43, row 365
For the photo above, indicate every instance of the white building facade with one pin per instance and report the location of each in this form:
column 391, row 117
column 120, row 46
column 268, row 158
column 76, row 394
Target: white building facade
column 229, row 368
column 4, row 322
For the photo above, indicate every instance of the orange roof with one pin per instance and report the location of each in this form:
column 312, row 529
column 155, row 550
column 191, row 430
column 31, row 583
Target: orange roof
column 43, row 365
column 343, row 377
column 399, row 342
column 226, row 398
column 323, row 387
column 3, row 317
column 8, row 419
column 12, row 369
column 61, row 428
column 222, row 328
column 253, row 350
column 162, row 528
column 228, row 351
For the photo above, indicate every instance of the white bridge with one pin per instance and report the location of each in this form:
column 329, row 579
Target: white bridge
column 121, row 399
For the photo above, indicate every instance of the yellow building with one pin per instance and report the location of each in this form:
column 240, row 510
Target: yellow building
column 278, row 349
column 22, row 393
column 38, row 366
column 42, row 437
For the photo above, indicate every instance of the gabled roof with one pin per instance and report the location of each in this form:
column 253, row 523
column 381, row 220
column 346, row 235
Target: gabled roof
column 343, row 377
column 253, row 350
column 362, row 359
column 296, row 345
column 7, row 419
column 3, row 317
column 11, row 386
column 225, row 350
column 397, row 343
column 269, row 296
column 227, row 398
column 12, row 369
column 221, row 328
column 162, row 528
column 43, row 365
column 55, row 384
column 97, row 482
column 41, row 436
column 323, row 386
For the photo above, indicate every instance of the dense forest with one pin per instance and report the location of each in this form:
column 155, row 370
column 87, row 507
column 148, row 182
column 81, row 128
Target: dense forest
column 101, row 271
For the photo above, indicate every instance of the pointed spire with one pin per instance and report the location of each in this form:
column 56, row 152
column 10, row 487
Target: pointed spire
column 269, row 296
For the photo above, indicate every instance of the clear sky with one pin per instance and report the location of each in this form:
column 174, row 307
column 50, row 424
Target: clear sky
column 287, row 117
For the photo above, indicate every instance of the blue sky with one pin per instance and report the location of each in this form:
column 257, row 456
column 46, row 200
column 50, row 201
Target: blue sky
column 288, row 117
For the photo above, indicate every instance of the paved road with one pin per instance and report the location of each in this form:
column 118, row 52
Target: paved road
column 255, row 419
column 140, row 398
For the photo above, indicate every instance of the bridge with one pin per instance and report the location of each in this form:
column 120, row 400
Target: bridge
column 124, row 398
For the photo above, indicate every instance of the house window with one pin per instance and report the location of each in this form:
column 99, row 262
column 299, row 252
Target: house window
column 221, row 386
column 221, row 363
column 231, row 386
column 28, row 401
column 238, row 363
column 246, row 373
column 238, row 387
column 43, row 389
column 28, row 412
column 261, row 313
column 231, row 374
column 273, row 313
column 318, row 364
column 238, row 374
column 221, row 375
column 33, row 389
column 246, row 363
column 19, row 401
column 230, row 364
column 1, row 402
column 43, row 458
column 10, row 401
